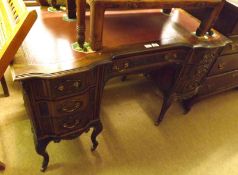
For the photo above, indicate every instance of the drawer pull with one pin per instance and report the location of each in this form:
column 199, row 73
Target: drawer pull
column 71, row 125
column 121, row 68
column 221, row 66
column 69, row 84
column 72, row 106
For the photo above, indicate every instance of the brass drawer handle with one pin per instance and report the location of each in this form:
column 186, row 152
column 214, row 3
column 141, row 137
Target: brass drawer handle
column 121, row 68
column 221, row 66
column 71, row 126
column 75, row 83
column 72, row 106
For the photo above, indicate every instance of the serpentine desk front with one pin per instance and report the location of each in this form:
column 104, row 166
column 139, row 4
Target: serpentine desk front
column 62, row 88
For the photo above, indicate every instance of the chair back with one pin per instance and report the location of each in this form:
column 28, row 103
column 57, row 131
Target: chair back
column 15, row 23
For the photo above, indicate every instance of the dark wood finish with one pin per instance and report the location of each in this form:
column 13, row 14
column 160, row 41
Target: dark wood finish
column 63, row 89
column 223, row 74
column 4, row 86
column 98, row 7
column 2, row 166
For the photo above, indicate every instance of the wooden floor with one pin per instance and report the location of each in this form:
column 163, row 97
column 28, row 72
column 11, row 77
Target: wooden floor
column 203, row 142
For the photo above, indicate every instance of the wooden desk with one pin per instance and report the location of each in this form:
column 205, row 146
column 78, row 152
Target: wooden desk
column 62, row 88
column 98, row 7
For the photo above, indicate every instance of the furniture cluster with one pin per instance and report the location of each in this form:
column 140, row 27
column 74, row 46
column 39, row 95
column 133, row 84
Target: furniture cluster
column 63, row 88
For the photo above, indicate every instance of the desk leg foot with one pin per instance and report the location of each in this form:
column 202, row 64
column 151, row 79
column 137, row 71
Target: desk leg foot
column 41, row 150
column 96, row 131
column 166, row 104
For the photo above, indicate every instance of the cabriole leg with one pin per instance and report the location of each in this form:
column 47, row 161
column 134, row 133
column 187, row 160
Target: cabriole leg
column 97, row 128
column 41, row 150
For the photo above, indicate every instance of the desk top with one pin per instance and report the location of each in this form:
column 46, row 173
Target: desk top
column 47, row 48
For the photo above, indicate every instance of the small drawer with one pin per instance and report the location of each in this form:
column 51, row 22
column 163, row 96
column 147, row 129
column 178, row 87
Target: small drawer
column 69, row 106
column 137, row 62
column 70, row 85
column 68, row 124
column 219, row 83
column 231, row 48
column 224, row 64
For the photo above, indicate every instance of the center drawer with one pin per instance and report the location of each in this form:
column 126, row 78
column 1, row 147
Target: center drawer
column 133, row 63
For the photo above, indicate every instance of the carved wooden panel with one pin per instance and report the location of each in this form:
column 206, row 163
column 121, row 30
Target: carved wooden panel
column 193, row 75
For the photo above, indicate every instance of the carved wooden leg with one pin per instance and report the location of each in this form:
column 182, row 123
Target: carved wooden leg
column 81, row 26
column 166, row 104
column 41, row 149
column 96, row 130
column 2, row 166
column 96, row 26
column 4, row 86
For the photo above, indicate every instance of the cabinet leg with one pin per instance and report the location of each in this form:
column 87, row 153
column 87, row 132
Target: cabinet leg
column 166, row 104
column 188, row 103
column 41, row 150
column 97, row 128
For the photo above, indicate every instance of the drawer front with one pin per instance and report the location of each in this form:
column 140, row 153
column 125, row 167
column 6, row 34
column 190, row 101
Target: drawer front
column 133, row 63
column 70, row 123
column 64, row 125
column 70, row 85
column 224, row 64
column 231, row 48
column 219, row 83
column 63, row 86
column 69, row 106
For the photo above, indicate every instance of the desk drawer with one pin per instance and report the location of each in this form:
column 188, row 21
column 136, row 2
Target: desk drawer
column 68, row 124
column 74, row 84
column 231, row 48
column 219, row 83
column 64, row 125
column 224, row 64
column 61, row 87
column 60, row 108
column 138, row 62
column 70, row 106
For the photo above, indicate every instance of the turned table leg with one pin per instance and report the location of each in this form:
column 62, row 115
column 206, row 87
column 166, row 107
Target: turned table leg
column 81, row 27
column 41, row 150
column 208, row 23
column 97, row 128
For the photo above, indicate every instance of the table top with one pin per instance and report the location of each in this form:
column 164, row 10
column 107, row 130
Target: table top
column 159, row 3
column 47, row 48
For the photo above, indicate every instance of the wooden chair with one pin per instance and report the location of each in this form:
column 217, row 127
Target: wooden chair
column 15, row 23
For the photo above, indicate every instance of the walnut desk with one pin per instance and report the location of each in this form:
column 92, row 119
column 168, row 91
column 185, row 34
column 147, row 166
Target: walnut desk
column 62, row 88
